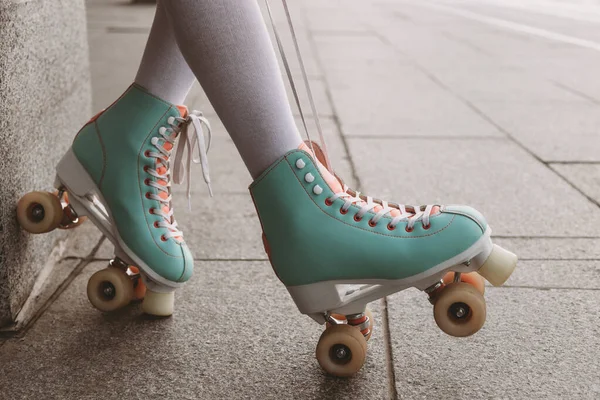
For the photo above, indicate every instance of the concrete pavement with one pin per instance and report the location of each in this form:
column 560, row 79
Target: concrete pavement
column 492, row 103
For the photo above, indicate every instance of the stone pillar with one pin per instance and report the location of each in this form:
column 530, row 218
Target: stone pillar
column 45, row 97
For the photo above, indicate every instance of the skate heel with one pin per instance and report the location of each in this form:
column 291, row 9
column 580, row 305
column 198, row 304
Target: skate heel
column 316, row 297
column 499, row 266
column 71, row 174
column 160, row 304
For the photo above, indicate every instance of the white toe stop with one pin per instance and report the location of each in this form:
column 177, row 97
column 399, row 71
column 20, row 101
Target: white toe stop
column 159, row 304
column 499, row 266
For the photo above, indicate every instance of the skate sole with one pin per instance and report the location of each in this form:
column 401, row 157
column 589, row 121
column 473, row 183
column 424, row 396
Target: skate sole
column 350, row 296
column 86, row 199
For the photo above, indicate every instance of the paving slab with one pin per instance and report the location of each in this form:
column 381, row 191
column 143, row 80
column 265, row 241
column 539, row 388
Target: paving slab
column 513, row 190
column 236, row 334
column 586, row 177
column 506, row 85
column 557, row 274
column 119, row 14
column 390, row 98
column 554, row 132
column 104, row 58
column 564, row 248
column 535, row 344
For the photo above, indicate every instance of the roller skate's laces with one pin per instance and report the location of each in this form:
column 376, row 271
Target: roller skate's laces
column 367, row 203
column 191, row 133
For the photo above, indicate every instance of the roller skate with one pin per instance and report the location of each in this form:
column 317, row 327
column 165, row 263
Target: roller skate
column 117, row 173
column 336, row 250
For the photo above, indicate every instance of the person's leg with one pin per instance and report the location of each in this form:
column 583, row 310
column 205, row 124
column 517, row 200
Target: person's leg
column 163, row 70
column 227, row 45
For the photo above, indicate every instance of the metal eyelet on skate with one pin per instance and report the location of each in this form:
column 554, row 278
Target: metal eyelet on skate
column 300, row 163
column 309, row 177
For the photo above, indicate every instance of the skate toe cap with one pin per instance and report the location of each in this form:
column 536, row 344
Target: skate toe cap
column 468, row 212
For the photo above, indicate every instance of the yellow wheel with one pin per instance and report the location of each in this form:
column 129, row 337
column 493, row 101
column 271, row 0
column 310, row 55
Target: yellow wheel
column 472, row 278
column 459, row 309
column 110, row 289
column 39, row 212
column 341, row 350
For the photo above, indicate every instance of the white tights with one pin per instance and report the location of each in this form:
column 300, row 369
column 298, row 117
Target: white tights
column 226, row 46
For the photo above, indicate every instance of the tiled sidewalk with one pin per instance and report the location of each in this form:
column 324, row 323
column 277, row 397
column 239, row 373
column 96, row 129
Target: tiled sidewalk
column 419, row 105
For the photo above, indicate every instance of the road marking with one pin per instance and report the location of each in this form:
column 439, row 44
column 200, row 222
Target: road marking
column 514, row 26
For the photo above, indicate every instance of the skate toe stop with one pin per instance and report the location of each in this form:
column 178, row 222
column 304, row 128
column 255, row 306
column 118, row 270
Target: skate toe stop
column 158, row 304
column 499, row 266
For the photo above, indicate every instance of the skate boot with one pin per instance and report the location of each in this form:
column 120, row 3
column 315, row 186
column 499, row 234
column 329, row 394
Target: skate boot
column 337, row 250
column 118, row 174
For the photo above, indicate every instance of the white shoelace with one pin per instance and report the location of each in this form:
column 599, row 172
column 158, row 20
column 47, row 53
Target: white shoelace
column 191, row 134
column 417, row 214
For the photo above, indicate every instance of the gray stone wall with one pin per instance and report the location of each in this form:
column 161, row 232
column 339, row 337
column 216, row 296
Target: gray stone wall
column 45, row 97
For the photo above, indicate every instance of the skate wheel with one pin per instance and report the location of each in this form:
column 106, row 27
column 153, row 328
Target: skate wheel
column 158, row 304
column 459, row 309
column 499, row 266
column 472, row 278
column 39, row 212
column 341, row 350
column 139, row 288
column 110, row 289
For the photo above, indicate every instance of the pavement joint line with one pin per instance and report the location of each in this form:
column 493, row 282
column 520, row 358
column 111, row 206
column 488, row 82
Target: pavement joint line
column 389, row 350
column 542, row 237
column 466, row 43
column 569, row 288
column 59, row 290
column 590, row 198
column 386, row 327
column 576, row 92
column 573, row 162
column 342, row 33
column 559, row 259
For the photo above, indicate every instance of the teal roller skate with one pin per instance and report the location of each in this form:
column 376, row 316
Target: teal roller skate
column 118, row 174
column 336, row 250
